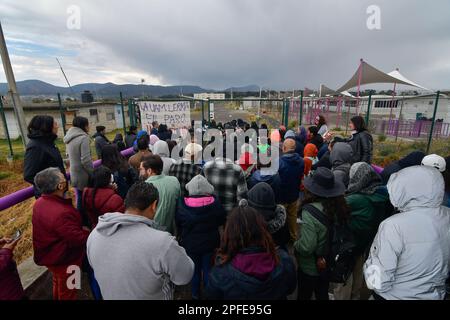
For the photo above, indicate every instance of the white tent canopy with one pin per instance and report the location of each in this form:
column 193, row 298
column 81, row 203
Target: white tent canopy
column 324, row 91
column 368, row 74
column 396, row 74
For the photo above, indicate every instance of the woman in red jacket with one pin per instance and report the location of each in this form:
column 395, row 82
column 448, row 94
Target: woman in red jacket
column 102, row 197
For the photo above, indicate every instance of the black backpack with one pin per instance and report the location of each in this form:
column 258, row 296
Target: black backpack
column 339, row 256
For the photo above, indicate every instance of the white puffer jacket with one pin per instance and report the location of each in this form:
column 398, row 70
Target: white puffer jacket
column 410, row 256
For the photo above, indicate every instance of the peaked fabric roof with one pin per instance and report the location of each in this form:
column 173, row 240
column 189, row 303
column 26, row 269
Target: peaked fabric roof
column 373, row 75
column 396, row 74
column 324, row 91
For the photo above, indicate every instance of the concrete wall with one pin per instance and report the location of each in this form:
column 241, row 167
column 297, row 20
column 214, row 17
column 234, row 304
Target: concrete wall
column 106, row 116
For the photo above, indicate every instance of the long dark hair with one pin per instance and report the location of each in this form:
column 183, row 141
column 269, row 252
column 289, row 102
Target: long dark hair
column 322, row 121
column 113, row 159
column 359, row 123
column 245, row 228
column 101, row 178
column 42, row 125
column 80, row 122
column 335, row 207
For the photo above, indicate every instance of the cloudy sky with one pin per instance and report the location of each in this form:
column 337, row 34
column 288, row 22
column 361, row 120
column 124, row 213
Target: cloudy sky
column 216, row 44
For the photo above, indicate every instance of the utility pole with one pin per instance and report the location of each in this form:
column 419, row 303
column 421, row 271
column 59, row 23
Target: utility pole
column 15, row 98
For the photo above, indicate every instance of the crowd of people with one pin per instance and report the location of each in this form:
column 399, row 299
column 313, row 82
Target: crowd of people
column 325, row 224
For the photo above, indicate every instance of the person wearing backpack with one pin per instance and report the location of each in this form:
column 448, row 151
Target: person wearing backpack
column 323, row 213
column 199, row 216
column 369, row 203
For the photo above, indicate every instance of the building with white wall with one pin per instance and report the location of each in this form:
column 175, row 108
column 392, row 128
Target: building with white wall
column 211, row 96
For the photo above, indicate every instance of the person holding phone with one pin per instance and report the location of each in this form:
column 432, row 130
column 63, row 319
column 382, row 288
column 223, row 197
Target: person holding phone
column 11, row 286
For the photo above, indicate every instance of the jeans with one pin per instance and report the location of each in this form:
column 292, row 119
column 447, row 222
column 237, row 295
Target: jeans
column 307, row 285
column 202, row 267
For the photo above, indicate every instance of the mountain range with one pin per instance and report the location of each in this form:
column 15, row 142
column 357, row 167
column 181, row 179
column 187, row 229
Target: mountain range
column 108, row 90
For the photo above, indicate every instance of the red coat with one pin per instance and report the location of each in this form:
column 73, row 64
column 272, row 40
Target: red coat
column 10, row 285
column 58, row 237
column 106, row 200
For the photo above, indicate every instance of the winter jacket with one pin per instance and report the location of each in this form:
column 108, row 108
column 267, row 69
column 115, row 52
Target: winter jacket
column 124, row 180
column 367, row 212
column 58, row 237
column 323, row 162
column 100, row 142
column 253, row 275
column 11, row 287
column 198, row 220
column 341, row 161
column 135, row 160
column 134, row 260
column 412, row 159
column 310, row 158
column 165, row 135
column 291, row 173
column 81, row 168
column 129, row 140
column 162, row 149
column 41, row 153
column 362, row 145
column 169, row 193
column 317, row 141
column 273, row 180
column 106, row 200
column 410, row 255
column 312, row 242
column 278, row 227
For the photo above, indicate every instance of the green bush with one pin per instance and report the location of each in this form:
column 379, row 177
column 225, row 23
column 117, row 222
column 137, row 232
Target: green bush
column 292, row 124
column 382, row 138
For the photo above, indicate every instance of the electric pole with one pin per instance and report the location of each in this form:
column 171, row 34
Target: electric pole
column 15, row 98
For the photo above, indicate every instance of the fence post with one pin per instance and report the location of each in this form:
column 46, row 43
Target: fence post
column 209, row 111
column 430, row 137
column 286, row 117
column 368, row 108
column 203, row 111
column 5, row 125
column 130, row 114
column 301, row 109
column 123, row 115
column 63, row 116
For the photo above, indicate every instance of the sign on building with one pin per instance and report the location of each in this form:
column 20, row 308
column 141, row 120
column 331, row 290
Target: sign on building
column 175, row 114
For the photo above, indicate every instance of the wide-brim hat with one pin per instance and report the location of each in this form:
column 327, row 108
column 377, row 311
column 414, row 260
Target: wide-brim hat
column 322, row 183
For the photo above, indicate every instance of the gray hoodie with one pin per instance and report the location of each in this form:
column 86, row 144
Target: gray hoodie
column 132, row 260
column 161, row 148
column 78, row 147
column 341, row 159
column 410, row 254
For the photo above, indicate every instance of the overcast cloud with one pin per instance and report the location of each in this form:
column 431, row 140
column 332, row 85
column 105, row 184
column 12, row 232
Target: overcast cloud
column 221, row 43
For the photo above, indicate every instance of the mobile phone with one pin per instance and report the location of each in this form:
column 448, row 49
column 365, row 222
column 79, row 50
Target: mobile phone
column 17, row 235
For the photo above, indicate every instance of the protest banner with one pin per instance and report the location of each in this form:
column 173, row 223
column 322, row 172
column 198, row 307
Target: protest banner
column 175, row 114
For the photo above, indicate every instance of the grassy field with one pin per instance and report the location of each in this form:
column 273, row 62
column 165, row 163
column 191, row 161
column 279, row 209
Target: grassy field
column 19, row 216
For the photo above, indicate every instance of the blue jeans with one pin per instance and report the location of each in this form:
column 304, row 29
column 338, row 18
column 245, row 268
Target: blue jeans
column 202, row 265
